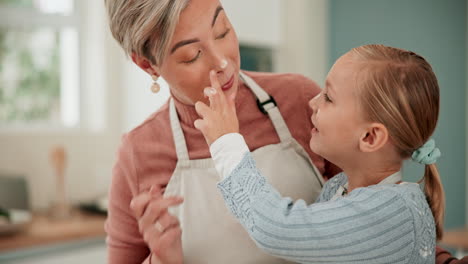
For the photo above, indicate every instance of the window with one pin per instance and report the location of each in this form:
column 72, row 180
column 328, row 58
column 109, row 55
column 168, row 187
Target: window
column 39, row 76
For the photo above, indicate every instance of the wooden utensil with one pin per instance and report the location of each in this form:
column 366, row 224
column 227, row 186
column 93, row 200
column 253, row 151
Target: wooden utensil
column 58, row 158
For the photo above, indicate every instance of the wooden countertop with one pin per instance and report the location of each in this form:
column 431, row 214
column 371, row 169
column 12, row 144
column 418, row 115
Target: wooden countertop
column 457, row 238
column 43, row 231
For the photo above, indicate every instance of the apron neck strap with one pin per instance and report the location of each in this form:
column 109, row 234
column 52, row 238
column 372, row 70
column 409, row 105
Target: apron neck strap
column 392, row 179
column 267, row 104
column 178, row 134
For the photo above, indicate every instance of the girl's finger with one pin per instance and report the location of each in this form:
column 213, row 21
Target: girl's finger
column 200, row 125
column 214, row 81
column 202, row 109
column 232, row 101
column 210, row 92
column 217, row 86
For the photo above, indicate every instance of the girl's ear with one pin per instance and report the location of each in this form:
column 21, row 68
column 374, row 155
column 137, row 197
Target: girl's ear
column 374, row 138
column 145, row 64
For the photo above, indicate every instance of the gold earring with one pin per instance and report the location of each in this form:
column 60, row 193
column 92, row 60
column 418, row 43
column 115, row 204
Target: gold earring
column 155, row 87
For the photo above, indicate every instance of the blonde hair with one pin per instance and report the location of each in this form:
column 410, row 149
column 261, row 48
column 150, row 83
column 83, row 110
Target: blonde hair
column 399, row 90
column 144, row 27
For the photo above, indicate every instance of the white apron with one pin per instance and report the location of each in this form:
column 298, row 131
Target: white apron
column 210, row 234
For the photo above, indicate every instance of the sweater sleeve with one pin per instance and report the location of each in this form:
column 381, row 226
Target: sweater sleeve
column 124, row 241
column 366, row 226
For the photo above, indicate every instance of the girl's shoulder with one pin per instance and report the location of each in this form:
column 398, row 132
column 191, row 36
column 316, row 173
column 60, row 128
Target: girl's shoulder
column 424, row 225
column 410, row 194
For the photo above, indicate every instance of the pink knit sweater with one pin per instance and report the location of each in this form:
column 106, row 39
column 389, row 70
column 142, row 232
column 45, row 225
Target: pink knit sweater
column 147, row 154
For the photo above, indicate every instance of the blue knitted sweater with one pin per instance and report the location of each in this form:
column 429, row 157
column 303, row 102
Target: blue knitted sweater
column 387, row 223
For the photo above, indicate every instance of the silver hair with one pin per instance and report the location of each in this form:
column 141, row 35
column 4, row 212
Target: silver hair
column 144, row 27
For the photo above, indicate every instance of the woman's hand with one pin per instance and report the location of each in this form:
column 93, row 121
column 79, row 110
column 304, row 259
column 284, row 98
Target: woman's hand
column 220, row 117
column 160, row 230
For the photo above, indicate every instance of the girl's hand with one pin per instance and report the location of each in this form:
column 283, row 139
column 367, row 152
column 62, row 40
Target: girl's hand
column 161, row 230
column 220, row 117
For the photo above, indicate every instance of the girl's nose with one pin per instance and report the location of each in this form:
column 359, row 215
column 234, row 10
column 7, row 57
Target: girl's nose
column 313, row 103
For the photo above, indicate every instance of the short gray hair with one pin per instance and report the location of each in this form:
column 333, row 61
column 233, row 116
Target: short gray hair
column 144, row 27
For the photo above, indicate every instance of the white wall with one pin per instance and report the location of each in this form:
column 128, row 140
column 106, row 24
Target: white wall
column 304, row 39
column 256, row 22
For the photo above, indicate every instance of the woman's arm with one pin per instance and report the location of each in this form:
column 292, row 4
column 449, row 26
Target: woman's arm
column 130, row 227
column 125, row 244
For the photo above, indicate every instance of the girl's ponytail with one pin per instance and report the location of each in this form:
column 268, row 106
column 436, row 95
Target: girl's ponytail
column 435, row 196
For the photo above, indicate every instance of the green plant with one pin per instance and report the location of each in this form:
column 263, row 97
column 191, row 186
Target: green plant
column 36, row 91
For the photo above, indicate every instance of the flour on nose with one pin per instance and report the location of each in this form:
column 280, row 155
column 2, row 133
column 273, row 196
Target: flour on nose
column 224, row 64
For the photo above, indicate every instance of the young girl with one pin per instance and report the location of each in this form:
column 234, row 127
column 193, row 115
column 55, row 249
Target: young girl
column 379, row 107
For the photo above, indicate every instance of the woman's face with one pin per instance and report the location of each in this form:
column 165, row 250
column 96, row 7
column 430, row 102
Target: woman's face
column 203, row 40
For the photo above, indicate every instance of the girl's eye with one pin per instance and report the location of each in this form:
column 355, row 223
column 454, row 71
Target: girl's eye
column 194, row 59
column 327, row 98
column 224, row 34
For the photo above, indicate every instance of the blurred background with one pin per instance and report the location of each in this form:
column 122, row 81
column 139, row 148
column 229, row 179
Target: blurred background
column 68, row 93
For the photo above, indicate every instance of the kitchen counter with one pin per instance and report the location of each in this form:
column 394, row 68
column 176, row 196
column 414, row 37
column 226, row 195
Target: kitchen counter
column 46, row 233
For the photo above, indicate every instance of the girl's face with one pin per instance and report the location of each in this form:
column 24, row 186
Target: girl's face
column 204, row 40
column 337, row 118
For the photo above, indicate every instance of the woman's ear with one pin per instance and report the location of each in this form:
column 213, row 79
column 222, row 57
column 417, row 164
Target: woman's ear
column 374, row 138
column 145, row 64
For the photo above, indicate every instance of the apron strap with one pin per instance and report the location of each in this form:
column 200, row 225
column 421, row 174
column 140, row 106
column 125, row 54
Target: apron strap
column 268, row 105
column 178, row 134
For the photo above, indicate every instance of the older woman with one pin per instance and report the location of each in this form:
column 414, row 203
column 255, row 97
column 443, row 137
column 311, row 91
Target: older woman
column 166, row 157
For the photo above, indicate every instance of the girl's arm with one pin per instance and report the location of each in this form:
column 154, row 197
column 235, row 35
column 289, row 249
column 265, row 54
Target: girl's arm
column 367, row 226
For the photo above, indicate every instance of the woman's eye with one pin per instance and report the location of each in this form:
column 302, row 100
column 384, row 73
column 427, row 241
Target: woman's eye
column 194, row 59
column 327, row 98
column 224, row 34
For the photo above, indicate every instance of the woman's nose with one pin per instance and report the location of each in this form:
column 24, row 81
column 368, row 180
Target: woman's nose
column 220, row 64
